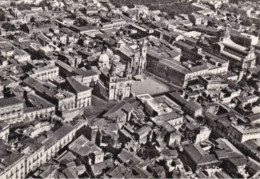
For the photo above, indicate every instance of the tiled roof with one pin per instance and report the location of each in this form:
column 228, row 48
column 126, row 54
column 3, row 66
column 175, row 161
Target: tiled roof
column 9, row 101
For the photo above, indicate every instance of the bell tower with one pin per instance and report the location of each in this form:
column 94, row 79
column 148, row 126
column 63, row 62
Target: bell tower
column 226, row 35
column 142, row 63
column 144, row 49
column 112, row 73
column 128, row 71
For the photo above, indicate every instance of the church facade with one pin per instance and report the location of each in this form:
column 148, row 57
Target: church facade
column 113, row 86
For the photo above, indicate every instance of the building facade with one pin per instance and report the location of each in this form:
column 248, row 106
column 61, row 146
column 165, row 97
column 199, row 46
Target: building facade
column 11, row 110
column 20, row 164
column 45, row 73
column 114, row 87
column 83, row 93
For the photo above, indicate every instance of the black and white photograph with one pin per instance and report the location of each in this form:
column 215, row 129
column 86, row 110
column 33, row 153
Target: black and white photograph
column 129, row 89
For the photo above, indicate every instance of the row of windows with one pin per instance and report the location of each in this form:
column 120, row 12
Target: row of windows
column 10, row 112
column 33, row 163
column 11, row 116
column 47, row 73
column 118, row 25
column 41, row 113
column 13, row 108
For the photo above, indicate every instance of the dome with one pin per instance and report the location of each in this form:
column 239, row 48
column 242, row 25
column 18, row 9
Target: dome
column 109, row 52
column 103, row 58
column 115, row 58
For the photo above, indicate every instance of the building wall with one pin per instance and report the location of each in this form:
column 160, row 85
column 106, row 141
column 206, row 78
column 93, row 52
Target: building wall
column 115, row 24
column 165, row 72
column 83, row 99
column 17, row 170
column 244, row 136
column 219, row 70
column 203, row 135
column 4, row 133
column 87, row 80
column 143, row 138
column 99, row 158
column 46, row 112
column 177, row 77
column 102, row 90
column 66, row 103
column 30, row 162
column 194, row 75
column 22, row 58
column 193, row 112
column 189, row 161
column 176, row 123
column 7, row 53
column 54, row 149
column 46, row 74
column 12, row 114
column 119, row 88
column 34, row 160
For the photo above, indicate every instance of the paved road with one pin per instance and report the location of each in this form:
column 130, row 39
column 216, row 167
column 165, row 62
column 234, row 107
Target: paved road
column 98, row 107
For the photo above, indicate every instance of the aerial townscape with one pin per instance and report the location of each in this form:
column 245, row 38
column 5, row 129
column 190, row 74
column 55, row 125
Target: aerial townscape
column 124, row 89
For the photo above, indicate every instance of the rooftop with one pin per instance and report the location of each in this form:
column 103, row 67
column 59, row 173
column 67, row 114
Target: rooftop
column 76, row 85
column 5, row 102
column 83, row 147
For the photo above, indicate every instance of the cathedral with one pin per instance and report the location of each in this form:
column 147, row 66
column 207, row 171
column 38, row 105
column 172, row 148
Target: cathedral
column 117, row 70
column 115, row 83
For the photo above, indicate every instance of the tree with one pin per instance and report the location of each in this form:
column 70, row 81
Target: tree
column 8, row 26
column 2, row 16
